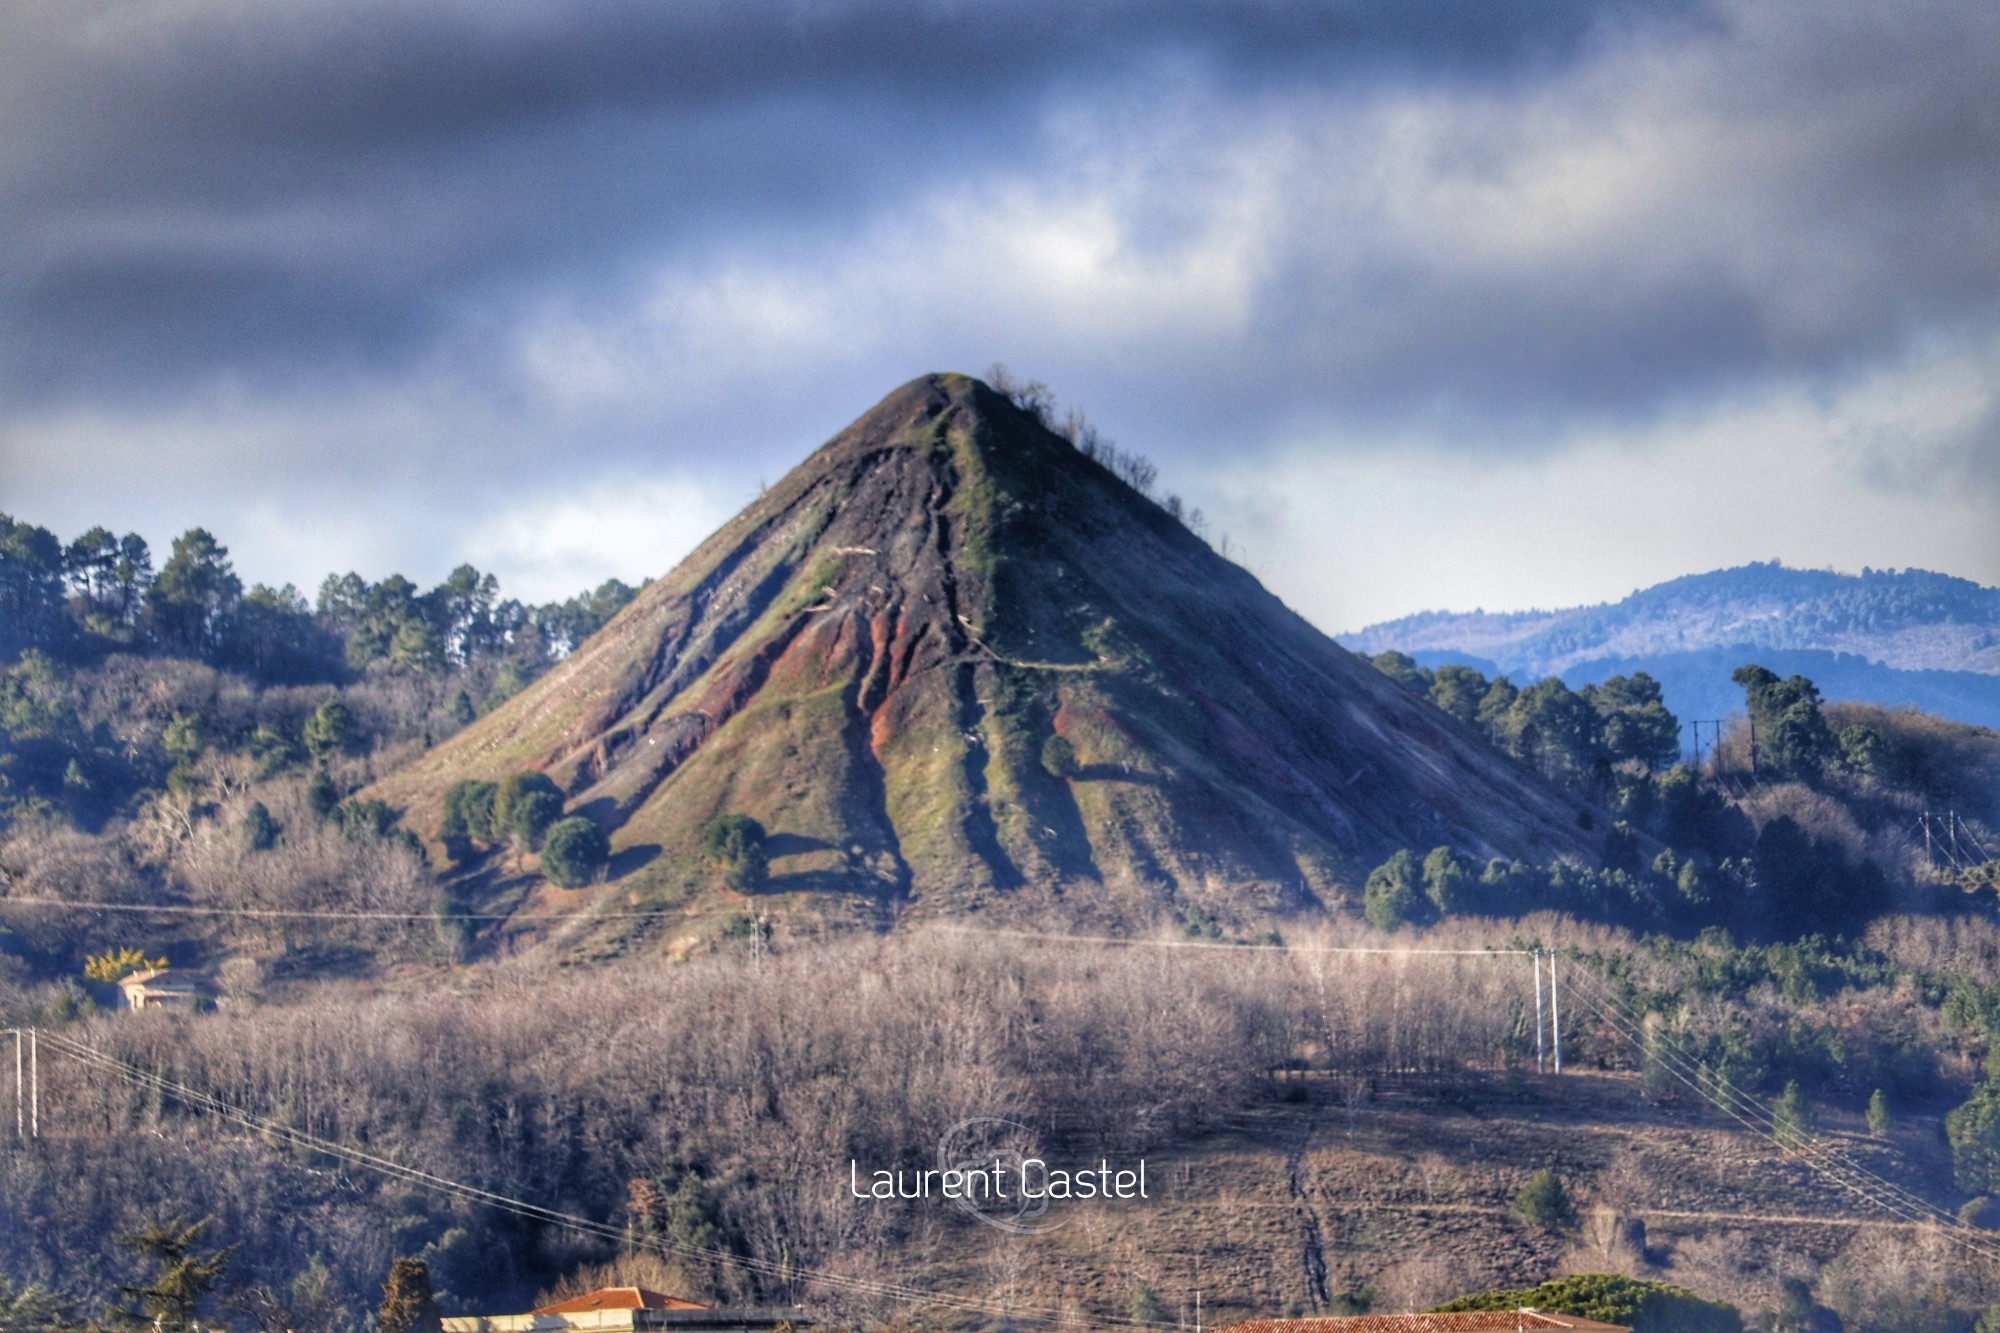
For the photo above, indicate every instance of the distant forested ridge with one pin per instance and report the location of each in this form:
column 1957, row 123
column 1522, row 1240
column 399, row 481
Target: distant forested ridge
column 1883, row 636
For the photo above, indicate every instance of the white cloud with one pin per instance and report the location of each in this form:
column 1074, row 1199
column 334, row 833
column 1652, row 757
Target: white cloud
column 1350, row 536
column 559, row 545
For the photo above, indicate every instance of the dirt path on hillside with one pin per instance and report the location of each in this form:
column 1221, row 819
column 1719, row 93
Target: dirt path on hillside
column 1486, row 1210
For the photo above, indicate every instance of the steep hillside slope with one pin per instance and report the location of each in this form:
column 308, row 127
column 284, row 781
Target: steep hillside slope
column 872, row 658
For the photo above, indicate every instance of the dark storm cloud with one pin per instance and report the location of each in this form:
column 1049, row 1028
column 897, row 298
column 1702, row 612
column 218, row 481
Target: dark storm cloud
column 379, row 283
column 286, row 190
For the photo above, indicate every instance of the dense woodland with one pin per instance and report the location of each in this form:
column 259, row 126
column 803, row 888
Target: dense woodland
column 168, row 739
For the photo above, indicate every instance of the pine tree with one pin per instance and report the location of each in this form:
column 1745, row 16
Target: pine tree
column 184, row 1274
column 332, row 731
column 1878, row 1113
column 1544, row 1202
column 408, row 1305
column 1791, row 1117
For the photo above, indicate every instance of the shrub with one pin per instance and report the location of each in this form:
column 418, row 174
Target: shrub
column 735, row 845
column 1544, row 1202
column 468, row 816
column 1641, row 1305
column 1981, row 1213
column 1059, row 757
column 321, row 794
column 573, row 851
column 260, row 831
column 524, row 807
column 363, row 819
column 114, row 964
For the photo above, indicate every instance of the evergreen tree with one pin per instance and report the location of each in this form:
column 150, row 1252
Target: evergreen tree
column 1143, row 1306
column 31, row 588
column 734, row 844
column 260, row 831
column 1544, row 1202
column 1792, row 737
column 332, row 731
column 1493, row 705
column 194, row 599
column 1637, row 725
column 1059, row 757
column 90, row 565
column 1458, row 690
column 1791, row 1117
column 182, row 738
column 1555, row 729
column 1638, row 1304
column 1393, row 897
column 408, row 1304
column 322, row 796
column 1403, row 669
column 1878, row 1113
column 1973, row 1130
column 524, row 807
column 573, row 851
column 32, row 1307
column 1449, row 883
column 469, row 816
column 182, row 1276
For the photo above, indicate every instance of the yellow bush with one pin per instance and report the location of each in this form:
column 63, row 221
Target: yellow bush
column 118, row 963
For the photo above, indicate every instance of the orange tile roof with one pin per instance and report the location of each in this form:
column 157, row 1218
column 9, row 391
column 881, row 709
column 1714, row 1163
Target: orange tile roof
column 620, row 1298
column 159, row 978
column 1479, row 1321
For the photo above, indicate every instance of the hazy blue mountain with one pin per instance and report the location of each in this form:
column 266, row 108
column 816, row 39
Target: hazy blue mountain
column 1885, row 636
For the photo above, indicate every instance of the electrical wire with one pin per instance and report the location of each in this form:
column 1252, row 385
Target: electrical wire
column 1597, row 998
column 1601, row 1002
column 329, row 914
column 200, row 1101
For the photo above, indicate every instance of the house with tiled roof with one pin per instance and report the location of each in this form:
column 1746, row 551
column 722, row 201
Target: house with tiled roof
column 624, row 1310
column 1471, row 1321
column 160, row 988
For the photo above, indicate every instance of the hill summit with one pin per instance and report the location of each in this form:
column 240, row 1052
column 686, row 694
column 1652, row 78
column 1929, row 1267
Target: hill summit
column 951, row 660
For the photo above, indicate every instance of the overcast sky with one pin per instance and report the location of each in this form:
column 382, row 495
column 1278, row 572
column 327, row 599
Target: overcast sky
column 1426, row 304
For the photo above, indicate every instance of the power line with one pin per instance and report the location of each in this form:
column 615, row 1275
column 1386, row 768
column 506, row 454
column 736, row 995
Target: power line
column 1746, row 1110
column 1682, row 1066
column 205, row 1102
column 1238, row 949
column 361, row 914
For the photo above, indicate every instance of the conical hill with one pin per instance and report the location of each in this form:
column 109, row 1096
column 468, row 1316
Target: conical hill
column 871, row 661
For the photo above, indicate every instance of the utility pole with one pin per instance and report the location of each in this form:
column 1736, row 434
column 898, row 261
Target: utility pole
column 1555, row 1012
column 1714, row 725
column 1541, row 1063
column 1753, row 749
column 1930, row 857
column 27, row 1083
